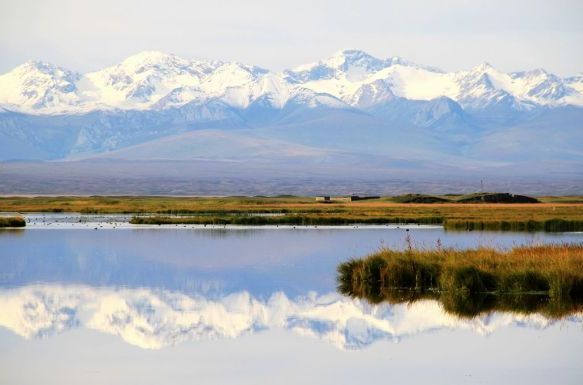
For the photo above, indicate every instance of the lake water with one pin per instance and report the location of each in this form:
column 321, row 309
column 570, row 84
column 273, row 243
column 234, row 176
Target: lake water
column 93, row 300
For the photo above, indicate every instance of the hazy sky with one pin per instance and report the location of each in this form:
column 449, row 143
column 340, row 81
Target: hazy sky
column 454, row 34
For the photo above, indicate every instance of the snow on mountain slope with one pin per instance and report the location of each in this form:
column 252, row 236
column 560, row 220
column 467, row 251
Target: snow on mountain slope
column 37, row 85
column 155, row 80
column 576, row 83
column 153, row 319
column 349, row 74
column 239, row 84
column 370, row 94
column 141, row 80
column 149, row 80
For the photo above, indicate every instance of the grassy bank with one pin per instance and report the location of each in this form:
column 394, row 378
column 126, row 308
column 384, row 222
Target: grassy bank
column 554, row 214
column 549, row 225
column 546, row 279
column 12, row 222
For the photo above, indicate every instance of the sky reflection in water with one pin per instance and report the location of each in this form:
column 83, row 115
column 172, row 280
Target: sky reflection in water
column 273, row 290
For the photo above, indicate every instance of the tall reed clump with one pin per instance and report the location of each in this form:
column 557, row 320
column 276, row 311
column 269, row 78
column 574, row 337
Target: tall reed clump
column 12, row 222
column 549, row 225
column 470, row 280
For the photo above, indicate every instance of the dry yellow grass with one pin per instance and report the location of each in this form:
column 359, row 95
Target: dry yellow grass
column 12, row 221
column 543, row 259
column 306, row 210
column 546, row 278
column 456, row 211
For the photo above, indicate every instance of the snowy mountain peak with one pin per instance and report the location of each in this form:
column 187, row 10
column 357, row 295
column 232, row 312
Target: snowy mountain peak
column 163, row 62
column 142, row 80
column 397, row 60
column 349, row 58
column 346, row 59
column 347, row 63
column 484, row 67
column 535, row 72
column 154, row 80
column 37, row 85
column 37, row 71
column 35, row 67
column 253, row 72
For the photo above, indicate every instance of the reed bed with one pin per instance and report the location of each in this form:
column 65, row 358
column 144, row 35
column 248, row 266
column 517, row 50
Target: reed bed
column 558, row 215
column 290, row 219
column 12, row 222
column 546, row 278
column 549, row 225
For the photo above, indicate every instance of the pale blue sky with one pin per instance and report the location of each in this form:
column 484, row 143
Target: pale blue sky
column 454, row 34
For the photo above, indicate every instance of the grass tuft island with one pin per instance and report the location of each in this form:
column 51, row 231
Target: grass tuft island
column 16, row 221
column 524, row 279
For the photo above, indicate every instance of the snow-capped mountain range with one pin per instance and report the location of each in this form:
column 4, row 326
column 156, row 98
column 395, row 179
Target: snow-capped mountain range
column 149, row 80
column 349, row 78
column 154, row 319
column 349, row 106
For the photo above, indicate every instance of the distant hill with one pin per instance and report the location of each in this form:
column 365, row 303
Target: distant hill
column 496, row 198
column 419, row 198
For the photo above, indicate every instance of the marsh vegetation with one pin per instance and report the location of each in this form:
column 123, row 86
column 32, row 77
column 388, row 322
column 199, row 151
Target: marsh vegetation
column 285, row 219
column 553, row 214
column 544, row 279
column 15, row 221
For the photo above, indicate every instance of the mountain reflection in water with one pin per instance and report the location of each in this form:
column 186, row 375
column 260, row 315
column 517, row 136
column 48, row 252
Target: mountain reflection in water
column 153, row 319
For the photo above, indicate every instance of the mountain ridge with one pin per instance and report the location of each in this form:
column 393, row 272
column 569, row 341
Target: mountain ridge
column 143, row 80
column 355, row 108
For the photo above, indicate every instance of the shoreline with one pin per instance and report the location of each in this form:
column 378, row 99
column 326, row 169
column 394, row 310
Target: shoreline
column 558, row 216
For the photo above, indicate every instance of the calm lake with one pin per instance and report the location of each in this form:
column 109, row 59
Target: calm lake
column 94, row 300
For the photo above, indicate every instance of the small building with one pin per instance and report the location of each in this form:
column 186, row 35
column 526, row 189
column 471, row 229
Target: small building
column 323, row 199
